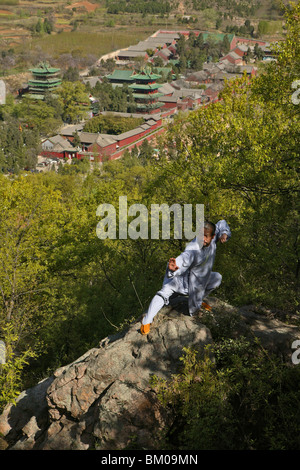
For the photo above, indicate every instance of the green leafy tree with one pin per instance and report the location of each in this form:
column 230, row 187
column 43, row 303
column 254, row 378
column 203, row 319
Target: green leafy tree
column 43, row 243
column 242, row 400
column 39, row 26
column 20, row 145
column 146, row 152
column 112, row 124
column 71, row 74
column 60, row 284
column 37, row 114
column 74, row 101
column 48, row 26
column 239, row 157
column 113, row 99
column 11, row 371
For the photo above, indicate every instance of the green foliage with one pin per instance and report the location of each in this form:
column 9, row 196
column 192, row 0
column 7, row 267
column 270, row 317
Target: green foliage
column 11, row 370
column 243, row 400
column 45, row 26
column 195, row 51
column 9, row 2
column 245, row 30
column 37, row 114
column 240, row 157
column 138, row 6
column 19, row 146
column 71, row 74
column 74, row 101
column 119, row 99
column 34, row 228
column 63, row 289
column 274, row 84
column 269, row 27
column 230, row 7
column 83, row 43
column 112, row 124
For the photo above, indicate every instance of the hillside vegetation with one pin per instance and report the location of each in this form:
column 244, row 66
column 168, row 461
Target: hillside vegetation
column 84, row 31
column 62, row 289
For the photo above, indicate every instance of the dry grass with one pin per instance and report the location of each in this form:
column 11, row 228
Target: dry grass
column 93, row 35
column 83, row 43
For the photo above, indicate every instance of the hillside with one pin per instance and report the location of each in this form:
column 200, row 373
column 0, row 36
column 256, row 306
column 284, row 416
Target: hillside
column 104, row 400
column 30, row 30
column 72, row 301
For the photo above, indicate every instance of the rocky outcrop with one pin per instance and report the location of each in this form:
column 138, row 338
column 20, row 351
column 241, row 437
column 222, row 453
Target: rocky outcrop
column 103, row 400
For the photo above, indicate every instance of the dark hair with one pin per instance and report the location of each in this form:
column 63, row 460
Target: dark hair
column 210, row 226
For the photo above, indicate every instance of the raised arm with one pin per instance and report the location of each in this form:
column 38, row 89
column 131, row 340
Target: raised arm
column 223, row 232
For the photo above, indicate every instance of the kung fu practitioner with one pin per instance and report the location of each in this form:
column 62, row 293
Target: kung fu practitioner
column 191, row 273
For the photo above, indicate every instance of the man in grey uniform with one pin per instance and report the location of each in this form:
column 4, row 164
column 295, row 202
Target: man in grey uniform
column 191, row 273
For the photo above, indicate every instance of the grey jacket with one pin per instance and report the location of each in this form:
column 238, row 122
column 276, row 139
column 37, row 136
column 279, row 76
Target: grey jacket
column 195, row 266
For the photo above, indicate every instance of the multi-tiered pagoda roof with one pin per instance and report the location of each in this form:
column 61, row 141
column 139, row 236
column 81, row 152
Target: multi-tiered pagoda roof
column 145, row 91
column 45, row 78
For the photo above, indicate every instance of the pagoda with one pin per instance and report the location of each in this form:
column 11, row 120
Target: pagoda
column 145, row 91
column 45, row 79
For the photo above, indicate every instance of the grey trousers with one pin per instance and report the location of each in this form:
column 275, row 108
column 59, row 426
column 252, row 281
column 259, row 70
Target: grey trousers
column 163, row 295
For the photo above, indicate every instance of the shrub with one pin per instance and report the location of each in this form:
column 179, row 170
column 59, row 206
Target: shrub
column 242, row 400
